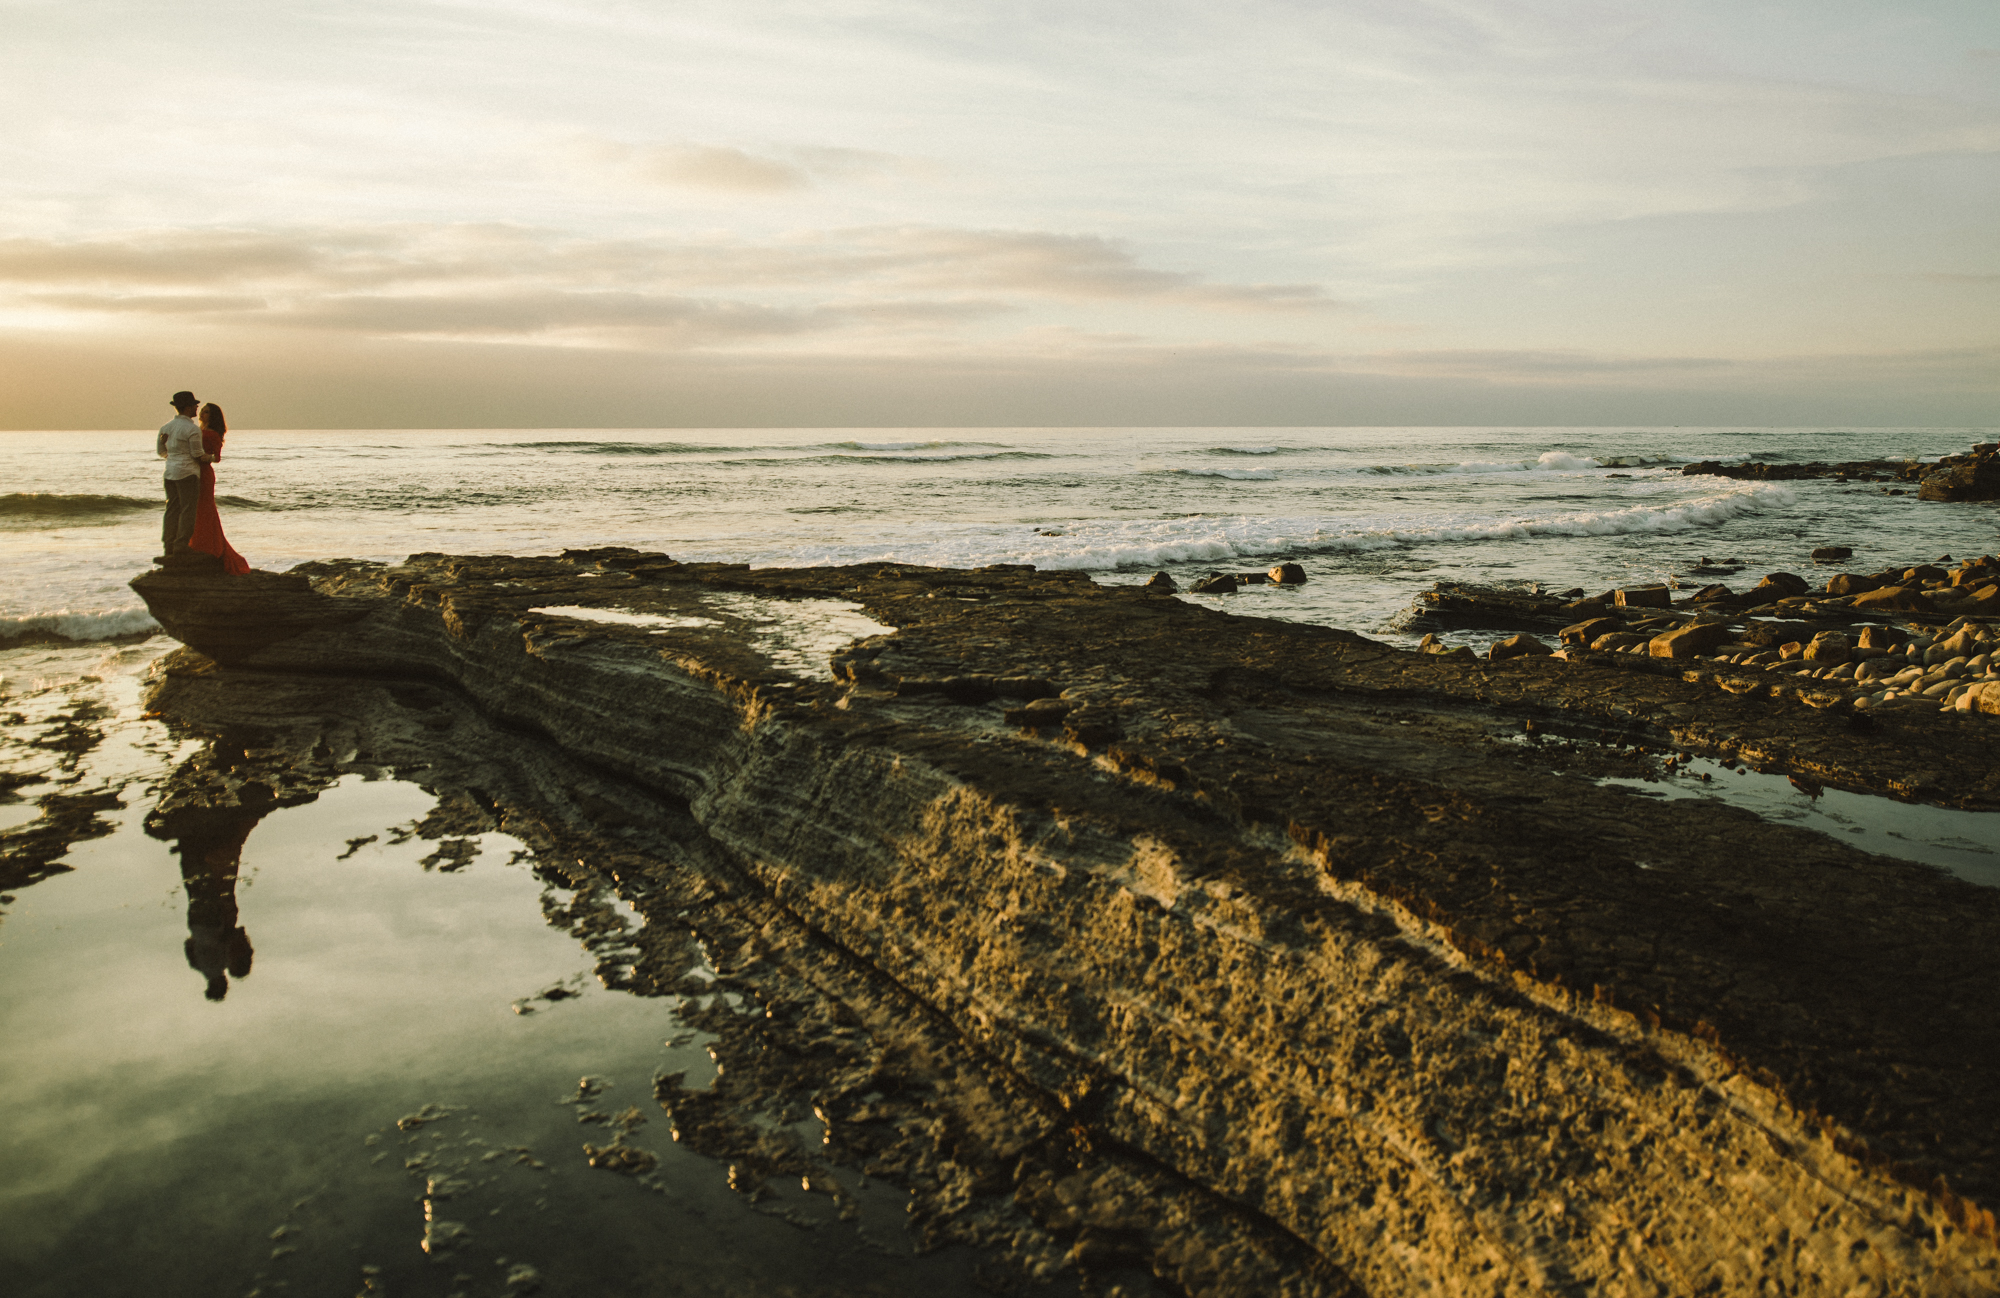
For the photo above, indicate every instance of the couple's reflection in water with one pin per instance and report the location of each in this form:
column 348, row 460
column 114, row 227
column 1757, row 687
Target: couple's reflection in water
column 208, row 817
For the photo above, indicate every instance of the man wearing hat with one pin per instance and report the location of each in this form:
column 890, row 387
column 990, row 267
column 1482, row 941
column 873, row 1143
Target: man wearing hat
column 180, row 446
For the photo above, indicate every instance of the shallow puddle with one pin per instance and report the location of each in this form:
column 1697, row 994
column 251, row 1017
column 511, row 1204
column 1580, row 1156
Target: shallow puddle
column 622, row 617
column 1966, row 843
column 303, row 1051
column 798, row 635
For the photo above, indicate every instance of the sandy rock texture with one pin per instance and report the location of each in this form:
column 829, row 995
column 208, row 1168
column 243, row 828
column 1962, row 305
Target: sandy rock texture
column 1274, row 925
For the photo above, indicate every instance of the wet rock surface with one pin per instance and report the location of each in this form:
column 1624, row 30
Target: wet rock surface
column 1247, row 956
column 1974, row 475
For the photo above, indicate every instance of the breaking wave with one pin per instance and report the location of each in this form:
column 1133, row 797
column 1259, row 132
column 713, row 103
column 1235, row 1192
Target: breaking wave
column 907, row 446
column 1204, row 538
column 946, row 457
column 66, row 625
column 1240, row 475
column 626, row 448
column 50, row 505
column 1547, row 462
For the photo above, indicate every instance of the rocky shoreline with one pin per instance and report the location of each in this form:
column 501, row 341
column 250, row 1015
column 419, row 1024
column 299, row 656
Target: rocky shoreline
column 1902, row 636
column 1285, row 961
column 1974, row 475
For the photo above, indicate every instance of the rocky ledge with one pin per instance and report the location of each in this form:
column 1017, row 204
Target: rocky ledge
column 1974, row 475
column 1350, row 944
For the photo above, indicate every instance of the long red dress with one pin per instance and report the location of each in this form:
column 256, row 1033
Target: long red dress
column 208, row 537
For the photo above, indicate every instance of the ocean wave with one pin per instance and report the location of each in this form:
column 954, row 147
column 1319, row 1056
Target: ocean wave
column 904, row 446
column 66, row 625
column 52, row 505
column 1248, row 450
column 1220, row 539
column 1239, row 475
column 626, row 448
column 861, row 457
column 1547, row 462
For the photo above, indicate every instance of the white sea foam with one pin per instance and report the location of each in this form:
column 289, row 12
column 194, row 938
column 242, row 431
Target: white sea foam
column 1103, row 544
column 799, row 635
column 71, row 625
column 622, row 617
column 932, row 445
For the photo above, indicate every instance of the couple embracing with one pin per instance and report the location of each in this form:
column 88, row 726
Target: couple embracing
column 191, row 443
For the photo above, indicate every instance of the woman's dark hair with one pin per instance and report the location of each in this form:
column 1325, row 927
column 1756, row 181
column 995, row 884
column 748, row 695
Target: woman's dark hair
column 211, row 417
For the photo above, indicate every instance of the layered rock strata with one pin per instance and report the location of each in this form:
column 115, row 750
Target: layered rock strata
column 1297, row 919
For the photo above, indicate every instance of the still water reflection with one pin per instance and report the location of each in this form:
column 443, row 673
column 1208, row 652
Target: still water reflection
column 211, row 850
column 357, row 1104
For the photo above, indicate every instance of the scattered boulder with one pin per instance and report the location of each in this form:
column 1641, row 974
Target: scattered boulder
column 1894, row 599
column 1832, row 553
column 1882, row 637
column 1964, row 644
column 1686, row 642
column 1162, row 582
column 1517, row 646
column 1770, row 633
column 1644, row 597
column 1792, row 650
column 1216, row 583
column 1288, row 574
column 1250, row 578
column 1923, row 574
column 1983, row 601
column 1830, row 647
column 1712, row 595
column 1582, row 633
column 1620, row 640
column 1852, row 583
column 1782, row 585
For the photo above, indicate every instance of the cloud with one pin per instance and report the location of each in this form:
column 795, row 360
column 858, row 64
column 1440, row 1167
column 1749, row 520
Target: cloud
column 499, row 282
column 1068, row 266
column 727, row 170
column 177, row 304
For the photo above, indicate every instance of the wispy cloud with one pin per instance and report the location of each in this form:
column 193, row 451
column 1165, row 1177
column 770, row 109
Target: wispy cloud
column 731, row 170
column 500, row 282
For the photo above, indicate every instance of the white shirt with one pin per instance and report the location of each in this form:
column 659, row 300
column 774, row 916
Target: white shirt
column 180, row 446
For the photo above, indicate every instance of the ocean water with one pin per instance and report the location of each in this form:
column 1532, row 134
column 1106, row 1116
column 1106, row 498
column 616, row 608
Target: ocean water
column 171, row 1140
column 1374, row 514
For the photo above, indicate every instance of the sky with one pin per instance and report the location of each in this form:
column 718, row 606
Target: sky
column 861, row 213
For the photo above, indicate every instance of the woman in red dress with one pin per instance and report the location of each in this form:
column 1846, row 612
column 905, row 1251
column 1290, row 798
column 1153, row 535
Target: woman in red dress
column 208, row 536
